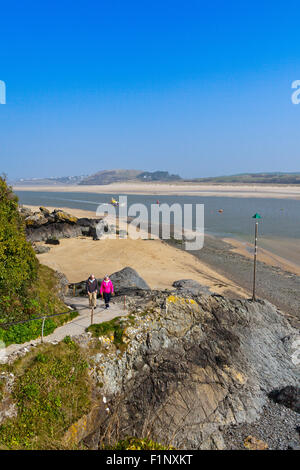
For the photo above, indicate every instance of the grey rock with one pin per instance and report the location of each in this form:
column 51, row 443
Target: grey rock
column 190, row 286
column 126, row 280
column 196, row 367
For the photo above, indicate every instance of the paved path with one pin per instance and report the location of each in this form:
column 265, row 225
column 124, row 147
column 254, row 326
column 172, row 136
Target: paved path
column 79, row 324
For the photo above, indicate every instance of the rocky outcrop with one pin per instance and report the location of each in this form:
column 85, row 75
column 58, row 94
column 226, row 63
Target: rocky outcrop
column 190, row 287
column 190, row 368
column 44, row 225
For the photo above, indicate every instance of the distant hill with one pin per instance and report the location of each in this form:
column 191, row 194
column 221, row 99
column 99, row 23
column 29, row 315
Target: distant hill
column 114, row 176
column 111, row 176
column 265, row 178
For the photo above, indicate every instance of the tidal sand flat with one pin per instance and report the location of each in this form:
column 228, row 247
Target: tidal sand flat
column 186, row 189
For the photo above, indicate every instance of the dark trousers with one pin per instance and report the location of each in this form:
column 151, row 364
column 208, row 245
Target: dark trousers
column 106, row 296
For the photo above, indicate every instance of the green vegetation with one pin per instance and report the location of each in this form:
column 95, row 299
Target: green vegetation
column 134, row 443
column 265, row 178
column 113, row 329
column 23, row 332
column 18, row 263
column 27, row 288
column 51, row 391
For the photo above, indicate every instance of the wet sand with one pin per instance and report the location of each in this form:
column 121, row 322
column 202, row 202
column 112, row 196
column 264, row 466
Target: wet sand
column 268, row 257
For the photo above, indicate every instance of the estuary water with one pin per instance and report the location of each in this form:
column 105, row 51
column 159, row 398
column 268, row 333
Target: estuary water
column 230, row 217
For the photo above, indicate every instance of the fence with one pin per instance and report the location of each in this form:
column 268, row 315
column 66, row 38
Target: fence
column 43, row 317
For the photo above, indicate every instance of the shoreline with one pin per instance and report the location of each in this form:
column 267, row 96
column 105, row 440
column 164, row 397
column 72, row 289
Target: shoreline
column 155, row 260
column 180, row 189
column 225, row 266
column 240, row 247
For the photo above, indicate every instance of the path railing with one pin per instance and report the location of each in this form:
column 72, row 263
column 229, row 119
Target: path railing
column 42, row 317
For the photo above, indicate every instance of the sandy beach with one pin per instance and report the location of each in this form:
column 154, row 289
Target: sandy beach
column 183, row 189
column 223, row 265
column 156, row 261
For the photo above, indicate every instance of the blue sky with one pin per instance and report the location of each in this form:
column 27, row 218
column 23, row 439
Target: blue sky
column 196, row 88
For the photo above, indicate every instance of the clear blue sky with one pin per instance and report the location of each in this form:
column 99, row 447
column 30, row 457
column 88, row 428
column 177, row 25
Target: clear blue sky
column 196, row 88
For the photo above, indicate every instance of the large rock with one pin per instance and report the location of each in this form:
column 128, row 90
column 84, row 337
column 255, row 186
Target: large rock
column 127, row 280
column 36, row 220
column 53, row 230
column 191, row 368
column 44, row 224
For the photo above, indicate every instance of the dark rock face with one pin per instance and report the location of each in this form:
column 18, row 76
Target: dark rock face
column 189, row 286
column 126, row 280
column 44, row 224
column 52, row 230
column 288, row 396
column 192, row 368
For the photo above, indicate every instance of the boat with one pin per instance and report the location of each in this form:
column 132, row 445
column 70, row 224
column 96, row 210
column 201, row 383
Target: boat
column 114, row 202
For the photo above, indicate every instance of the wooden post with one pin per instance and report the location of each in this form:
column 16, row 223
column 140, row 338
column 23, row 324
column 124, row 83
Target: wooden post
column 255, row 256
column 92, row 315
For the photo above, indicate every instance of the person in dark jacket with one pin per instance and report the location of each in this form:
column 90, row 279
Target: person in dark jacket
column 91, row 288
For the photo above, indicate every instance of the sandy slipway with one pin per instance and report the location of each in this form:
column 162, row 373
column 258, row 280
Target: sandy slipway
column 191, row 369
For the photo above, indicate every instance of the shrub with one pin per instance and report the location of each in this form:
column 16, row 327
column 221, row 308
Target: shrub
column 18, row 263
column 52, row 391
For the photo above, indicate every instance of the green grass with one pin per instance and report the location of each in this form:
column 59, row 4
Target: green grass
column 42, row 299
column 52, row 391
column 19, row 334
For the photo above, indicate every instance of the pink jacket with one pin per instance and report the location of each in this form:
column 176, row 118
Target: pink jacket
column 107, row 287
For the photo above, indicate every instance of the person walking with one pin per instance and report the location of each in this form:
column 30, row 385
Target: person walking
column 106, row 290
column 91, row 288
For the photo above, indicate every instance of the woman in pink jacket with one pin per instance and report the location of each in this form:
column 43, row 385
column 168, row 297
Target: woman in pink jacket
column 106, row 289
